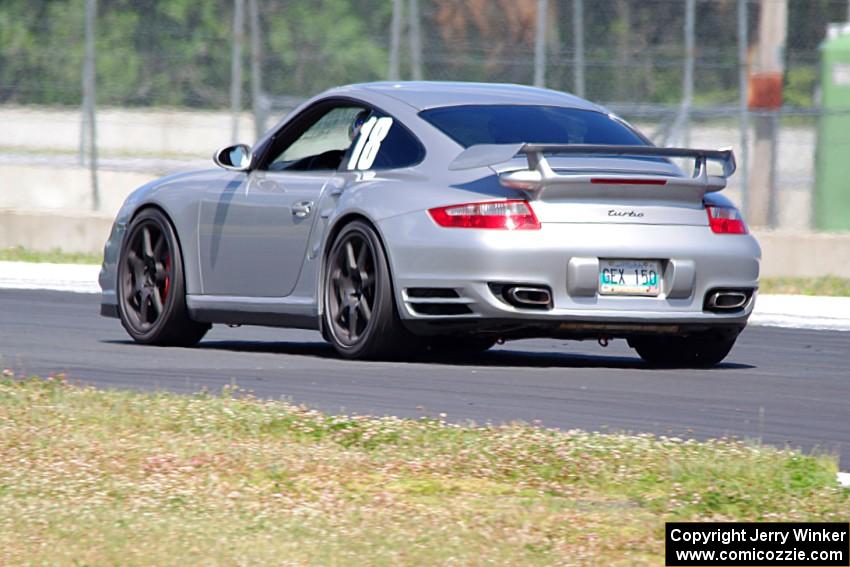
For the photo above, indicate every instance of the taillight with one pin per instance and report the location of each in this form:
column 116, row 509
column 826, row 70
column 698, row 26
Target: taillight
column 725, row 220
column 505, row 215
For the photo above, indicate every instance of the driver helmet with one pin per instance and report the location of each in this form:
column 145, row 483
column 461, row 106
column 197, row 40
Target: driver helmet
column 357, row 123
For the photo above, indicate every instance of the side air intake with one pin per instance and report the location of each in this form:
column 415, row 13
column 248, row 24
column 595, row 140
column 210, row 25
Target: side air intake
column 437, row 301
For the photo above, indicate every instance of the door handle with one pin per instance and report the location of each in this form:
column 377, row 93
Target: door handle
column 302, row 209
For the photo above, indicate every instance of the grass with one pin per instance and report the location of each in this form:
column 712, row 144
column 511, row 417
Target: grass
column 826, row 285
column 92, row 477
column 20, row 254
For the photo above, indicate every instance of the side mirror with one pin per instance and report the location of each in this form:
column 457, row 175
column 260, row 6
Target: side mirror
column 233, row 158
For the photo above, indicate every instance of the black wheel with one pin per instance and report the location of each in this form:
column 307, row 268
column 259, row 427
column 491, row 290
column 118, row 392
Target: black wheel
column 461, row 345
column 151, row 292
column 695, row 351
column 360, row 317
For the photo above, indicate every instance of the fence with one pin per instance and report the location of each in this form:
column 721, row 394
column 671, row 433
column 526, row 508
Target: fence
column 676, row 68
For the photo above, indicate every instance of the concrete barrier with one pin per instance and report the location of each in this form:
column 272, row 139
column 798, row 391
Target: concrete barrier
column 58, row 190
column 804, row 254
column 45, row 231
column 182, row 133
column 45, row 197
column 138, row 131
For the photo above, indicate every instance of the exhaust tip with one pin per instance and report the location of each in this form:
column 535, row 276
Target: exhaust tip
column 523, row 296
column 727, row 299
column 528, row 295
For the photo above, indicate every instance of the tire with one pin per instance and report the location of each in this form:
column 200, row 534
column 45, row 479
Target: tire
column 151, row 289
column 359, row 315
column 461, row 345
column 696, row 351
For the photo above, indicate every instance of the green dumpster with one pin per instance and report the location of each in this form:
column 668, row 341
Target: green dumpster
column 832, row 164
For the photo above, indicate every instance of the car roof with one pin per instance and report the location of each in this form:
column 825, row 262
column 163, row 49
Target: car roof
column 423, row 95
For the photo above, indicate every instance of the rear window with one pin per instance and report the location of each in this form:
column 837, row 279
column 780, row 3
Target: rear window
column 514, row 124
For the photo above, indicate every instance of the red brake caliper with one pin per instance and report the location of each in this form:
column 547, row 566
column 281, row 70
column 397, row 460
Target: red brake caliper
column 167, row 279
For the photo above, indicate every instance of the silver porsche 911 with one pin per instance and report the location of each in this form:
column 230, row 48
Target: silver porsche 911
column 400, row 216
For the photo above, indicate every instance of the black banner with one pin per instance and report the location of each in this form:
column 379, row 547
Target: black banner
column 813, row 544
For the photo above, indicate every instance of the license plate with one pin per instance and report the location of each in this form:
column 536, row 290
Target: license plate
column 629, row 277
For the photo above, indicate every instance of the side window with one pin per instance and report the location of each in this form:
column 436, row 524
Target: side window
column 324, row 144
column 383, row 143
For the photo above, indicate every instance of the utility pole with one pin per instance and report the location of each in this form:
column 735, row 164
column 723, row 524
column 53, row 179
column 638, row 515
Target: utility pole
column 765, row 98
column 236, row 68
column 624, row 47
column 578, row 44
column 681, row 128
column 743, row 111
column 394, row 73
column 688, row 79
column 256, row 71
column 415, row 37
column 540, row 45
column 89, row 97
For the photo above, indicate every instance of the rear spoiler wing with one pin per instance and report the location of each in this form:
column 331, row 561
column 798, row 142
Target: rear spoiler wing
column 540, row 174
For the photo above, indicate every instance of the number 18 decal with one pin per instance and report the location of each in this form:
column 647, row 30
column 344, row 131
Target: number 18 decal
column 372, row 133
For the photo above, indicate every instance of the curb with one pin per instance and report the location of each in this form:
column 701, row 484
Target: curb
column 802, row 312
column 77, row 278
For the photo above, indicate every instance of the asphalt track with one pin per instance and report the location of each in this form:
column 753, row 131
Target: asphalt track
column 784, row 386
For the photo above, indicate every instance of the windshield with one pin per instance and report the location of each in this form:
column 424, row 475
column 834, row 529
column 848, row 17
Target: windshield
column 514, row 124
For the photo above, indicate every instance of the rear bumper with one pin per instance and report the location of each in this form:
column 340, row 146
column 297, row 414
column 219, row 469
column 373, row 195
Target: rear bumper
column 564, row 257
